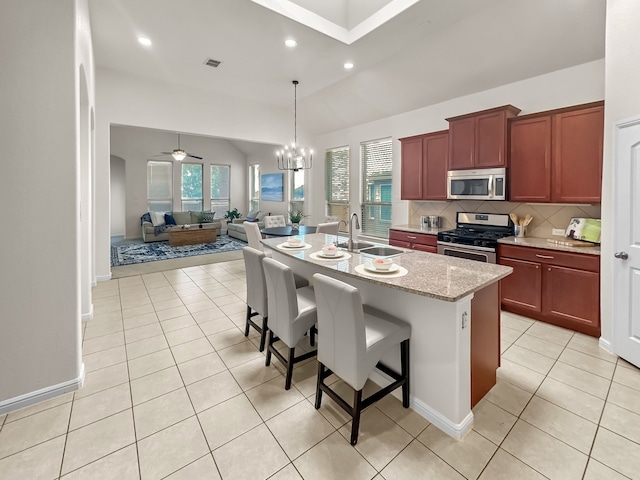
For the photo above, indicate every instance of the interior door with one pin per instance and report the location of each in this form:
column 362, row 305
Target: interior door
column 626, row 277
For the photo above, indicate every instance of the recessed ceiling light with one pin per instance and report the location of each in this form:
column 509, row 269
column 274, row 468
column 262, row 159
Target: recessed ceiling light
column 348, row 66
column 144, row 41
column 290, row 42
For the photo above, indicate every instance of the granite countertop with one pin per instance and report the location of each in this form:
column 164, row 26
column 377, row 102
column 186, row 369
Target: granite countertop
column 417, row 229
column 537, row 242
column 431, row 275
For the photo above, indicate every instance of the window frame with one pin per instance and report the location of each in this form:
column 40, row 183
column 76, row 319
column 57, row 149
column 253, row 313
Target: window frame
column 184, row 199
column 254, row 184
column 168, row 200
column 382, row 183
column 216, row 207
column 344, row 171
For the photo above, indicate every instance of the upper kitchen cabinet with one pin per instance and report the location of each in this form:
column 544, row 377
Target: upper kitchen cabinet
column 424, row 166
column 479, row 140
column 556, row 156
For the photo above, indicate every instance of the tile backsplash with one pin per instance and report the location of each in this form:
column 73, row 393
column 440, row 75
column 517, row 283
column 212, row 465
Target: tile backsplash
column 545, row 216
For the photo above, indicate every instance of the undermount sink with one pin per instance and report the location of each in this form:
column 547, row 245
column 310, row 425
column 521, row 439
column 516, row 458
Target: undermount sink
column 381, row 251
column 356, row 246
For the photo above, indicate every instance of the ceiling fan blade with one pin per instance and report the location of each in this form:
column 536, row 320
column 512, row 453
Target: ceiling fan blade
column 166, row 153
column 194, row 156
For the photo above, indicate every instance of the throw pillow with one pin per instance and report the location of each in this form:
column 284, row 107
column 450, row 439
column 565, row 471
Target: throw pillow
column 195, row 217
column 157, row 218
column 207, row 217
column 169, row 220
column 260, row 216
column 182, row 217
column 253, row 214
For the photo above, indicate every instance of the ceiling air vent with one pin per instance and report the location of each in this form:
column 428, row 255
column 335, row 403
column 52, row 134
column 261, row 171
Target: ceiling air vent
column 212, row 63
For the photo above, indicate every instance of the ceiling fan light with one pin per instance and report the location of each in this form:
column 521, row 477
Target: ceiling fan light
column 179, row 155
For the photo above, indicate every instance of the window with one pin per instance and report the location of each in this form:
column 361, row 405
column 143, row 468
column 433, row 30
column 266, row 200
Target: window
column 376, row 181
column 220, row 201
column 254, row 187
column 191, row 187
column 159, row 186
column 337, row 175
column 296, row 200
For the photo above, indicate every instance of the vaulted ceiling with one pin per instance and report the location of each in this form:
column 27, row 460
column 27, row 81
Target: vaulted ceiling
column 417, row 53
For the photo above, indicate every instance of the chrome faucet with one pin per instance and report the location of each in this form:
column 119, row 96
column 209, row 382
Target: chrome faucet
column 346, row 227
column 350, row 244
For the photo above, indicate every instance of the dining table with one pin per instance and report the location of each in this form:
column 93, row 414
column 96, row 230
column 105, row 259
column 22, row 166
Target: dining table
column 288, row 231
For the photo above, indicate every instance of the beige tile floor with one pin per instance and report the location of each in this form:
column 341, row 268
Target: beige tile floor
column 174, row 390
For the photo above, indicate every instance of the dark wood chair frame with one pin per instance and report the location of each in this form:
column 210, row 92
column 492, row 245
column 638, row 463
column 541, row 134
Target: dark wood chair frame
column 292, row 360
column 359, row 404
column 262, row 329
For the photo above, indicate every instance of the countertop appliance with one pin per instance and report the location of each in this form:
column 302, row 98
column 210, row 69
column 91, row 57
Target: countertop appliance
column 430, row 221
column 484, row 184
column 475, row 236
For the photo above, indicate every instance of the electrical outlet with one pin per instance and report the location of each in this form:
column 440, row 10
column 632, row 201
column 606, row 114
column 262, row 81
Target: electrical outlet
column 557, row 231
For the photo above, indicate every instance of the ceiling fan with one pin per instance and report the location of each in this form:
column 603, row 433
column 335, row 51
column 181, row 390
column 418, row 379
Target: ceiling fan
column 179, row 154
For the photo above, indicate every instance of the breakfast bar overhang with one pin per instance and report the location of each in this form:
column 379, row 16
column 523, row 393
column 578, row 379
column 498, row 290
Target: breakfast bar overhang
column 453, row 307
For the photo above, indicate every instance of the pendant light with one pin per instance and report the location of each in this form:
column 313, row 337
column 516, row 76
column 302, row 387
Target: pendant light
column 293, row 157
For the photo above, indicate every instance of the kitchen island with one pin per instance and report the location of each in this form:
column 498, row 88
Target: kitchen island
column 453, row 307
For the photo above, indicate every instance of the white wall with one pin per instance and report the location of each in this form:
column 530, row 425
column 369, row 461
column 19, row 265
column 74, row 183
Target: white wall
column 45, row 43
column 138, row 145
column 622, row 101
column 118, row 195
column 571, row 86
column 123, row 100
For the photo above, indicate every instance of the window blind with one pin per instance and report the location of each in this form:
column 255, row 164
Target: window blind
column 220, row 187
column 191, row 187
column 376, row 182
column 159, row 186
column 337, row 183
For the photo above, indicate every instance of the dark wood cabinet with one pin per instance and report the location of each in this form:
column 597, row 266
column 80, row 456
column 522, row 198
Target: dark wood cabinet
column 424, row 166
column 479, row 140
column 557, row 156
column 556, row 287
column 415, row 241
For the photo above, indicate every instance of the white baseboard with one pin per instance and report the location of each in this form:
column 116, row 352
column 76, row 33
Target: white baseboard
column 43, row 394
column 457, row 431
column 103, row 278
column 605, row 345
column 88, row 316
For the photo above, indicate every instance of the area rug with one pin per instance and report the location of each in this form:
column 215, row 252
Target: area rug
column 151, row 252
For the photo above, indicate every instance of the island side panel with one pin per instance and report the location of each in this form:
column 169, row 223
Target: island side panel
column 485, row 341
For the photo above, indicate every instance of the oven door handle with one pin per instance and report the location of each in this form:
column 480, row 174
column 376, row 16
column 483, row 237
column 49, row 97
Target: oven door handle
column 460, row 246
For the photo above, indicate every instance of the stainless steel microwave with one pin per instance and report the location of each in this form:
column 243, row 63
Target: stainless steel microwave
column 483, row 184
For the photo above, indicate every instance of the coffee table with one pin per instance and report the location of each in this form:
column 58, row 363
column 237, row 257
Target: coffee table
column 191, row 236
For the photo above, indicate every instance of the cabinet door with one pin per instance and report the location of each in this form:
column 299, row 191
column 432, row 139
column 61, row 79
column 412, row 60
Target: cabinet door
column 523, row 288
column 530, row 160
column 435, row 149
column 461, row 143
column 424, row 248
column 491, row 131
column 411, row 177
column 399, row 243
column 577, row 145
column 572, row 297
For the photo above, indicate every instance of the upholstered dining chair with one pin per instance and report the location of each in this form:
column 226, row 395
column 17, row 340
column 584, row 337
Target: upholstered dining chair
column 274, row 221
column 352, row 339
column 256, row 292
column 254, row 236
column 330, row 227
column 292, row 312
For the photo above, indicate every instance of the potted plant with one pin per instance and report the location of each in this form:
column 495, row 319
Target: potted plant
column 296, row 217
column 231, row 215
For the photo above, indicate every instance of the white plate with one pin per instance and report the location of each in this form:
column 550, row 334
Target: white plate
column 322, row 255
column 288, row 245
column 393, row 268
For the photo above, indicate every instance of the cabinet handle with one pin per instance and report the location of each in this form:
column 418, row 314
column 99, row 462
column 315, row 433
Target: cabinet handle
column 410, row 237
column 543, row 256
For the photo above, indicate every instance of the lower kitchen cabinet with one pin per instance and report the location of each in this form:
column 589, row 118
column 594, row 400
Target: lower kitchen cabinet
column 415, row 241
column 555, row 287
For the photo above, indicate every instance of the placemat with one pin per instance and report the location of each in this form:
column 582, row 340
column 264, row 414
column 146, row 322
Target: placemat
column 315, row 256
column 293, row 250
column 363, row 271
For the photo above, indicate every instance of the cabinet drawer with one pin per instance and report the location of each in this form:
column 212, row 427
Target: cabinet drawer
column 563, row 259
column 411, row 237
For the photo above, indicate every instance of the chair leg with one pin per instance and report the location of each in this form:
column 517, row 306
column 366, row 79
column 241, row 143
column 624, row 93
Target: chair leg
column 246, row 328
column 318, row 383
column 269, row 347
column 357, row 409
column 263, row 334
column 404, row 362
column 287, row 383
column 312, row 338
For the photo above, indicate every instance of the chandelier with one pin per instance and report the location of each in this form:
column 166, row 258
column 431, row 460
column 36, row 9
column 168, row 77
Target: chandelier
column 293, row 157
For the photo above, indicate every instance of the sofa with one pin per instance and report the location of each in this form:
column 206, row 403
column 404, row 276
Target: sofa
column 156, row 225
column 236, row 228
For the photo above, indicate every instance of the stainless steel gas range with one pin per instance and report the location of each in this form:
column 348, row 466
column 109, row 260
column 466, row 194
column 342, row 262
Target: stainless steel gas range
column 475, row 236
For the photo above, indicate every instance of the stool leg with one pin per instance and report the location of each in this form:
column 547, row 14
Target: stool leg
column 404, row 361
column 269, row 347
column 287, row 383
column 357, row 409
column 263, row 335
column 318, row 383
column 312, row 339
column 246, row 328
